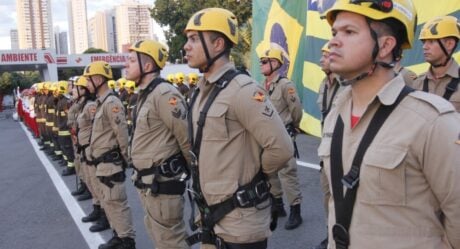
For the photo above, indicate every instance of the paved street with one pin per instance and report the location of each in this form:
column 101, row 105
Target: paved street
column 37, row 210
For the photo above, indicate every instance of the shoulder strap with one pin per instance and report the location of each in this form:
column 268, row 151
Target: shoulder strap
column 276, row 82
column 141, row 97
column 344, row 205
column 327, row 107
column 219, row 86
column 452, row 87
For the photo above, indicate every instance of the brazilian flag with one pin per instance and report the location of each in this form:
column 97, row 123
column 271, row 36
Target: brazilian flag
column 297, row 29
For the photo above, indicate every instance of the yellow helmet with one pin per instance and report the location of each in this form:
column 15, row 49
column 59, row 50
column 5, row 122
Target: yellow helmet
column 170, row 78
column 98, row 68
column 40, row 87
column 180, row 77
column 63, row 86
column 121, row 82
column 273, row 53
column 215, row 19
column 192, row 78
column 440, row 27
column 111, row 84
column 156, row 50
column 81, row 81
column 401, row 10
column 46, row 86
column 130, row 85
column 325, row 48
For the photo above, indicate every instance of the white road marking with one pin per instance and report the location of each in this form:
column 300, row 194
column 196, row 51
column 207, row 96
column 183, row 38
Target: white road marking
column 92, row 239
column 308, row 165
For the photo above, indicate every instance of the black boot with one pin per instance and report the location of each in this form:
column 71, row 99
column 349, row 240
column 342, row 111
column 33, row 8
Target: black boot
column 54, row 157
column 85, row 196
column 62, row 163
column 101, row 224
column 322, row 245
column 127, row 243
column 294, row 218
column 278, row 206
column 68, row 171
column 94, row 215
column 114, row 243
column 80, row 190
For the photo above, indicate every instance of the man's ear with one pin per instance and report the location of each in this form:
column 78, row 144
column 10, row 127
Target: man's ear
column 386, row 45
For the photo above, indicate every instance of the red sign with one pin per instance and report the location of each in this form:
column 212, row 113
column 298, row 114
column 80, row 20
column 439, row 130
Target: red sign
column 109, row 58
column 14, row 57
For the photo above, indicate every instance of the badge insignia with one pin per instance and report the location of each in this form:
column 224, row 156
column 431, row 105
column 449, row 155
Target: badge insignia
column 117, row 120
column 258, row 96
column 293, row 98
column 267, row 111
column 172, row 101
column 176, row 113
column 291, row 90
column 92, row 109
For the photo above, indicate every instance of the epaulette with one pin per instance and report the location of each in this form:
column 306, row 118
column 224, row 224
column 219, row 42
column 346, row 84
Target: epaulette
column 441, row 105
column 164, row 88
column 243, row 79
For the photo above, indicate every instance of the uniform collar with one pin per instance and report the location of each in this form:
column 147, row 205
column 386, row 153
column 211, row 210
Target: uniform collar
column 451, row 71
column 101, row 98
column 215, row 76
column 387, row 95
column 155, row 75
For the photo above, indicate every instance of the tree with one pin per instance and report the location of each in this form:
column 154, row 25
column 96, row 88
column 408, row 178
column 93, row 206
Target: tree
column 174, row 15
column 94, row 51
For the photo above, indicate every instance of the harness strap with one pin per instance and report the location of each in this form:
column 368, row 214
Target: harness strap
column 344, row 205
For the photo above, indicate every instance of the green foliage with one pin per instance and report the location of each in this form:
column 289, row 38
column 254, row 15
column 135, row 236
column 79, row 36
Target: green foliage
column 9, row 81
column 94, row 51
column 174, row 15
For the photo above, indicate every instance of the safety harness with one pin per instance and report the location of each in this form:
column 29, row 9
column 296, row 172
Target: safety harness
column 256, row 192
column 344, row 205
column 450, row 88
column 175, row 165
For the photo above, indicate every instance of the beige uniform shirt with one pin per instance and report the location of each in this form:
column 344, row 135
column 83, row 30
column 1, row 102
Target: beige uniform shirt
column 283, row 95
column 85, row 124
column 161, row 128
column 109, row 131
column 73, row 114
column 438, row 86
column 409, row 175
column 243, row 132
column 329, row 94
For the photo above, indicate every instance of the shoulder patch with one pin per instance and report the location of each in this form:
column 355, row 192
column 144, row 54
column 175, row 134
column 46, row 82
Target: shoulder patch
column 164, row 88
column 437, row 102
column 258, row 96
column 172, row 101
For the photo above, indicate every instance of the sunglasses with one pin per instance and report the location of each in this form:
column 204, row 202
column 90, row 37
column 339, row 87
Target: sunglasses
column 263, row 62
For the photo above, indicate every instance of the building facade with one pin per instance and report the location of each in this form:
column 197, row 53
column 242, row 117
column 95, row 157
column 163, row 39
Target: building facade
column 133, row 23
column 78, row 26
column 35, row 24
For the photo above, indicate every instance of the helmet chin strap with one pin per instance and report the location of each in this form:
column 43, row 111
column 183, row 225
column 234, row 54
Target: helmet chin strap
column 209, row 61
column 272, row 69
column 96, row 88
column 143, row 74
column 376, row 63
column 449, row 55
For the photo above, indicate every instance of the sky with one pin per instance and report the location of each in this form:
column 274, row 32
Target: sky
column 59, row 13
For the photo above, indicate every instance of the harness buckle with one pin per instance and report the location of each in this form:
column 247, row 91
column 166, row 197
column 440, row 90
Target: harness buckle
column 241, row 199
column 261, row 189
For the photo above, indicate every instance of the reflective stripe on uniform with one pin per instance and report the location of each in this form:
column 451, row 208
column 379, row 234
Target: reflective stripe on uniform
column 49, row 123
column 58, row 152
column 64, row 133
column 70, row 164
column 63, row 114
column 50, row 111
column 55, row 129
